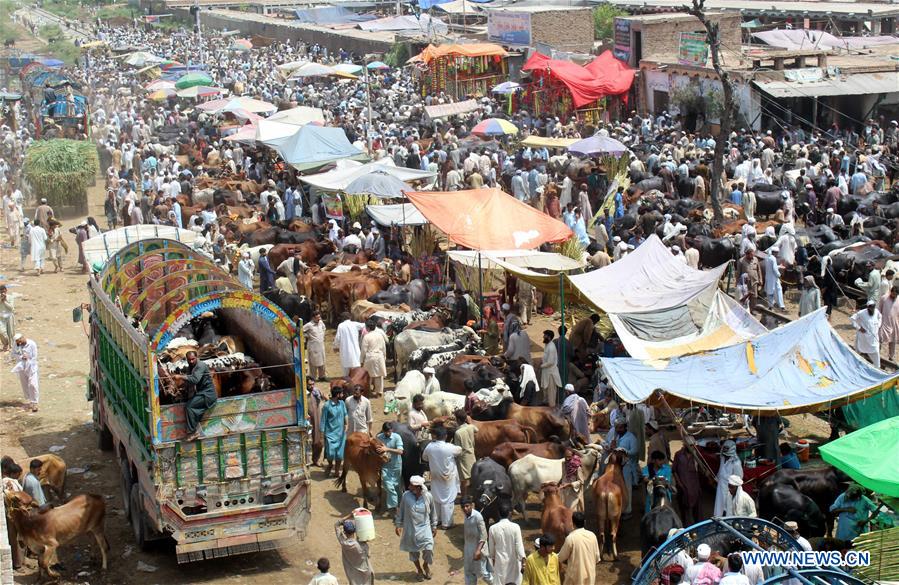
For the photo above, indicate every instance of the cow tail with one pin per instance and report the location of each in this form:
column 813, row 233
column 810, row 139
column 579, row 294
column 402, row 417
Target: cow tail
column 341, row 481
column 529, row 434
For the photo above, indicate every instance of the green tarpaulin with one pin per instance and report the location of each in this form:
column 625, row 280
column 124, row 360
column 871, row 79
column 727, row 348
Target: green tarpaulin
column 869, row 456
column 873, row 409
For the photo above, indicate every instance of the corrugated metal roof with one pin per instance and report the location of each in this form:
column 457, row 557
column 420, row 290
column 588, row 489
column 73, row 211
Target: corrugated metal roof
column 862, row 10
column 858, row 84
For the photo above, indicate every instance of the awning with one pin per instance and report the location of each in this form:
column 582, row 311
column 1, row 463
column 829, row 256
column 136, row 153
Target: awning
column 861, row 456
column 467, row 50
column 852, row 84
column 348, row 171
column 103, row 246
column 488, row 219
column 605, row 75
column 541, row 141
column 401, row 214
column 514, row 259
column 454, row 109
column 803, row 366
column 423, row 24
column 460, row 7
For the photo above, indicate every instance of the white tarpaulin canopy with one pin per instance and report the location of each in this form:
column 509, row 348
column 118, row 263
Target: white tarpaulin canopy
column 503, row 259
column 268, row 130
column 347, row 171
column 298, row 116
column 100, row 248
column 399, row 214
column 649, row 279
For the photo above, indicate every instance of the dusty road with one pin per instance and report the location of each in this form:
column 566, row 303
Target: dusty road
column 44, row 306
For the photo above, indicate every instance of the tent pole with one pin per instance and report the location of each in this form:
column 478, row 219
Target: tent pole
column 481, row 286
column 562, row 357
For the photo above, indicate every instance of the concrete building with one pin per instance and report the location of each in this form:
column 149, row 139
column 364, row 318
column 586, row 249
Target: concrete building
column 564, row 28
column 657, row 36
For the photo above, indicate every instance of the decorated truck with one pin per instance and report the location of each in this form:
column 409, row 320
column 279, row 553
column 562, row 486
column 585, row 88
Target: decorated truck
column 242, row 484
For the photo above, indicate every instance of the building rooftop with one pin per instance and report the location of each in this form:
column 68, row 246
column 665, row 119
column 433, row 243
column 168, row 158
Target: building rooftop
column 850, row 10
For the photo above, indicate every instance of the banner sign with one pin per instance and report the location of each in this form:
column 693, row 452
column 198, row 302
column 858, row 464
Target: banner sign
column 509, row 28
column 333, row 206
column 693, row 49
column 622, row 48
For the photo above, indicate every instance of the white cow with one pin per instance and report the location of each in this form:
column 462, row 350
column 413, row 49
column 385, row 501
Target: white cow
column 530, row 473
column 254, row 252
column 410, row 340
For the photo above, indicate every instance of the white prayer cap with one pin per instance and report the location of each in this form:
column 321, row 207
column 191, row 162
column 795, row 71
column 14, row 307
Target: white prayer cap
column 791, row 526
column 774, row 250
column 751, row 221
column 357, row 226
column 870, row 303
column 428, row 370
column 569, row 387
column 673, row 531
column 18, row 336
column 616, row 239
column 703, row 552
column 830, row 210
column 417, row 480
column 734, row 480
column 676, row 248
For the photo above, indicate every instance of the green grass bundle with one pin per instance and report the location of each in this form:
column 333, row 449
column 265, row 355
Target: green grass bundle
column 61, row 170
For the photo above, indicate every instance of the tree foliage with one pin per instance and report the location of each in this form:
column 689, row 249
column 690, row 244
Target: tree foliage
column 604, row 21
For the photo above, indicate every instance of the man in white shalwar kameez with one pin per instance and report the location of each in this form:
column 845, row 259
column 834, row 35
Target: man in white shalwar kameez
column 314, row 334
column 730, row 465
column 889, row 327
column 550, row 380
column 773, row 288
column 441, row 457
column 506, row 549
column 27, row 369
column 38, row 238
column 867, row 329
column 347, row 341
column 738, row 502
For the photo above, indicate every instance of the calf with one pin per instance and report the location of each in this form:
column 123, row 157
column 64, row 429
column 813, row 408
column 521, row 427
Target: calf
column 43, row 531
column 507, row 453
column 365, row 455
column 609, row 492
column 556, row 517
column 53, row 472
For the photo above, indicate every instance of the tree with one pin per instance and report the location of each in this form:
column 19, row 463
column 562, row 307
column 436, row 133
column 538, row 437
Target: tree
column 727, row 115
column 604, row 21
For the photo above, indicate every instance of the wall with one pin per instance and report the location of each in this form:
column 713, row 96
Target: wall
column 660, row 38
column 354, row 41
column 747, row 98
column 566, row 30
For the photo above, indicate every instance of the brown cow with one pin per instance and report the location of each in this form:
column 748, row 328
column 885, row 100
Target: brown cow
column 545, row 420
column 365, row 455
column 507, row 453
column 609, row 493
column 53, row 472
column 43, row 531
column 358, row 375
column 556, row 517
column 491, row 433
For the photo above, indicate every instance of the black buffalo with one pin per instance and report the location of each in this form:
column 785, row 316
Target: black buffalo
column 656, row 523
column 412, row 450
column 413, row 294
column 783, row 502
column 295, row 306
column 715, row 251
column 490, row 486
column 767, row 202
column 821, row 485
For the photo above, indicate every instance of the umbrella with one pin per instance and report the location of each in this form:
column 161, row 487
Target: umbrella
column 495, row 127
column 166, row 65
column 318, row 70
column 241, row 45
column 199, row 91
column 378, row 65
column 161, row 94
column 233, row 105
column 379, row 184
column 350, row 68
column 192, row 79
column 142, row 58
column 506, row 87
column 159, row 84
column 597, row 144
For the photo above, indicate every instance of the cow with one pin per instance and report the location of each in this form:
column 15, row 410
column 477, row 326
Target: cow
column 530, row 473
column 661, row 518
column 821, row 485
column 715, row 252
column 52, row 475
column 443, row 358
column 412, row 450
column 507, row 453
column 609, row 493
column 408, row 341
column 545, row 420
column 296, row 306
column 438, row 404
column 767, row 202
column 365, row 455
column 490, row 487
column 357, row 376
column 556, row 517
column 413, row 294
column 782, row 501
column 454, row 377
column 492, row 433
column 419, row 357
column 43, row 531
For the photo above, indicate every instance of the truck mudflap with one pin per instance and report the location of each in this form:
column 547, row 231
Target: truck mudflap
column 244, row 533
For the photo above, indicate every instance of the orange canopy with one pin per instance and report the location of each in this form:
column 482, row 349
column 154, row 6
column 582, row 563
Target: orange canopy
column 468, row 50
column 488, row 219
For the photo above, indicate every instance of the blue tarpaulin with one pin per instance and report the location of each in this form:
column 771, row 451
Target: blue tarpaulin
column 331, row 15
column 803, row 366
column 312, row 146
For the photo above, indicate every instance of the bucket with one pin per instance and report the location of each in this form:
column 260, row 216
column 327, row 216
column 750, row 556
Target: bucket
column 365, row 525
column 802, row 450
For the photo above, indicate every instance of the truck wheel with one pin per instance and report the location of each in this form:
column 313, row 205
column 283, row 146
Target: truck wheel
column 104, row 438
column 126, row 484
column 138, row 522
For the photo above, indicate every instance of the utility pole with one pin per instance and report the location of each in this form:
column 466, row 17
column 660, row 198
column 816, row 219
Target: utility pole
column 727, row 115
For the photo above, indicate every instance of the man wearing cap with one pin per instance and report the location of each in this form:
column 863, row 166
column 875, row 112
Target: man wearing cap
column 738, row 503
column 42, row 214
column 474, row 554
column 729, row 466
column 355, row 555
column 575, row 409
column 867, row 328
column 703, row 570
column 511, row 323
column 773, row 287
column 27, row 368
column 416, row 524
column 378, row 245
column 541, row 567
column 853, row 509
column 550, row 378
column 432, row 384
column 621, row 438
column 792, row 527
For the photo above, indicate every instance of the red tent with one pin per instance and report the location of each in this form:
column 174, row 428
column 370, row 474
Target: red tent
column 488, row 219
column 603, row 76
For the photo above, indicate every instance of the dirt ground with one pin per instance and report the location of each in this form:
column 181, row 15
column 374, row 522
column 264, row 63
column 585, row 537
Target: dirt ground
column 44, row 309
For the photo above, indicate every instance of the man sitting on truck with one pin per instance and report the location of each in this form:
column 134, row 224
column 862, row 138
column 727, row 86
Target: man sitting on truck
column 204, row 395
